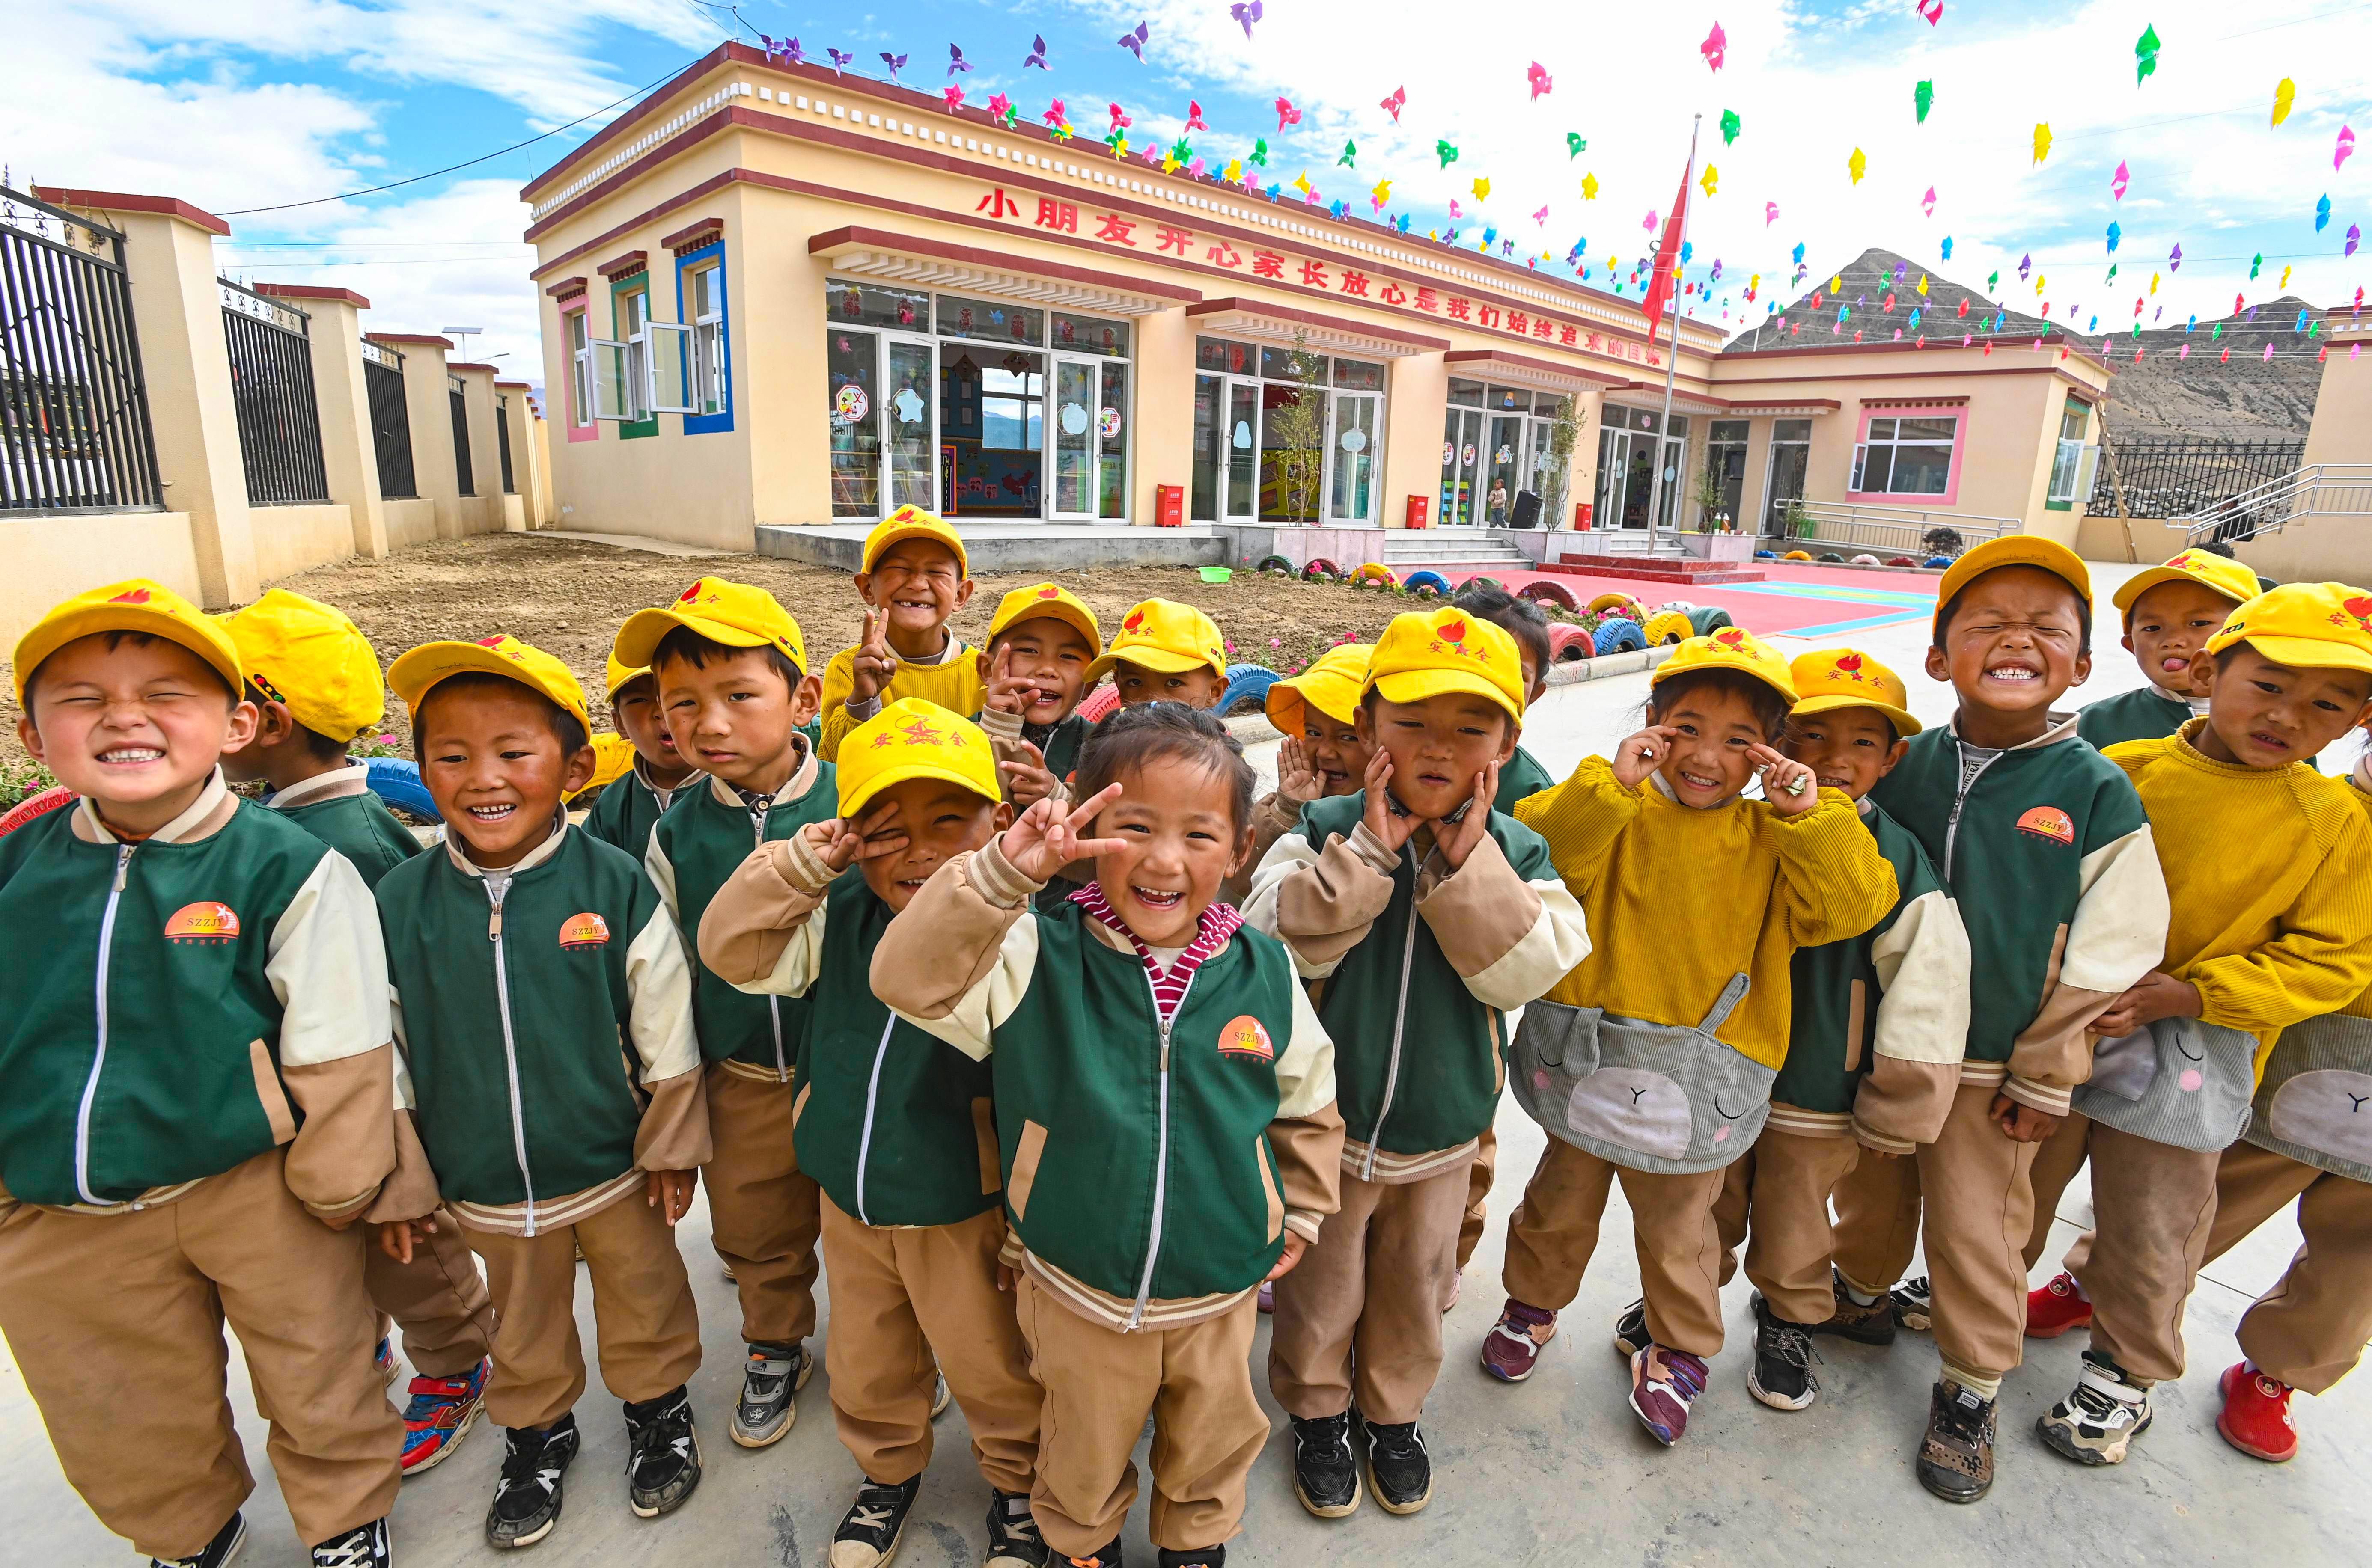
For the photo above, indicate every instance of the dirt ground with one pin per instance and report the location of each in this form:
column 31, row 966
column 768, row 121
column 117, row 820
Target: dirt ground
column 568, row 597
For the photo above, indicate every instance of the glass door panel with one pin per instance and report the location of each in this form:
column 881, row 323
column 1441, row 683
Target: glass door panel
column 1505, row 474
column 1210, row 447
column 852, row 382
column 1074, row 451
column 911, row 411
column 1638, row 479
column 1243, row 450
column 1292, row 457
column 1001, row 449
column 1350, row 491
column 1112, row 439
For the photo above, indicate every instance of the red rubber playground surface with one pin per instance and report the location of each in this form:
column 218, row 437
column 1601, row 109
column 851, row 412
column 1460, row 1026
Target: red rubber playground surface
column 1800, row 602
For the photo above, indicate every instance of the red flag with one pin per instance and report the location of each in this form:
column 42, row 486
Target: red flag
column 1668, row 257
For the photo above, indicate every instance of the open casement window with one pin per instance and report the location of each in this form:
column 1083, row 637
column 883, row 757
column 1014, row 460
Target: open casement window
column 667, row 368
column 705, row 306
column 2073, row 465
column 617, row 384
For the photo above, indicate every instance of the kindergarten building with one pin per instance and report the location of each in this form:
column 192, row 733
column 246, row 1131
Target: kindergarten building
column 775, row 298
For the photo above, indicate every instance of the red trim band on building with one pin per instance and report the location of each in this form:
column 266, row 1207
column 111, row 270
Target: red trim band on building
column 694, row 236
column 118, row 202
column 313, row 291
column 617, row 267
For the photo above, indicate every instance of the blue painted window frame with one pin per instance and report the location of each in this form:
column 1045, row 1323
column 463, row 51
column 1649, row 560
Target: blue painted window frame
column 709, row 423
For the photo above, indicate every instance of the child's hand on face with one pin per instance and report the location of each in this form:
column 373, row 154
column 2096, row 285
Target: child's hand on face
column 670, row 1191
column 1458, row 843
column 875, row 664
column 1296, row 776
column 1026, row 776
column 1046, row 837
column 1293, row 1247
column 1788, row 784
column 1392, row 826
column 1008, row 692
column 1641, row 754
column 842, row 844
column 2153, row 997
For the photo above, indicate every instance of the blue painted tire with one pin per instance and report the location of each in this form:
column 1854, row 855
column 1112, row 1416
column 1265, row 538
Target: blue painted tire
column 1708, row 620
column 1619, row 635
column 1246, row 680
column 1766, row 555
column 397, row 781
column 1427, row 581
column 1937, row 560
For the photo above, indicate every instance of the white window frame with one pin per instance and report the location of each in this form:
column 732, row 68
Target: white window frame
column 1952, row 446
column 665, row 344
column 706, row 389
column 580, row 370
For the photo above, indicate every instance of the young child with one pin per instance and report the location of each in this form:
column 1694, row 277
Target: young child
column 1164, row 1112
column 314, row 683
column 916, row 577
column 898, row 1128
column 201, row 1102
column 730, row 666
column 544, row 1006
column 1041, row 642
column 1166, row 652
column 2305, row 1143
column 1653, row 1064
column 1877, row 1024
column 2170, row 611
column 1429, row 915
column 631, row 806
column 1322, row 753
column 2271, row 927
column 2047, row 854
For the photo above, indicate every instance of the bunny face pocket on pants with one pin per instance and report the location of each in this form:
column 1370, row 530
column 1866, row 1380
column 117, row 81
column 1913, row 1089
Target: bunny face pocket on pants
column 2182, row 1081
column 2315, row 1105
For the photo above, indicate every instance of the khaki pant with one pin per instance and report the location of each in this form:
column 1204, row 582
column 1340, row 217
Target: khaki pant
column 897, row 1296
column 1374, row 1284
column 765, row 1215
column 1208, row 1425
column 1984, row 1208
column 643, row 1313
column 2055, row 1165
column 2153, row 1205
column 1477, row 1195
column 1783, row 1182
column 439, row 1300
column 116, row 1324
column 2309, row 1329
column 1553, row 1231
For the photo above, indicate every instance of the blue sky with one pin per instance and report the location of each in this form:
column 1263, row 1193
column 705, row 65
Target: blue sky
column 252, row 103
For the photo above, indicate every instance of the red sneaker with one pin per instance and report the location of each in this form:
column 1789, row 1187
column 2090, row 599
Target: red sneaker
column 1513, row 1346
column 2256, row 1415
column 2055, row 1309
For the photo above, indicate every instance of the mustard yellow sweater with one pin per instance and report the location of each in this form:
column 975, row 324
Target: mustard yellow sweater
column 1679, row 899
column 2270, row 874
column 2359, row 789
column 953, row 683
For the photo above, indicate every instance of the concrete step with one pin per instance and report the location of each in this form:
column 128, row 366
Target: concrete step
column 1709, row 573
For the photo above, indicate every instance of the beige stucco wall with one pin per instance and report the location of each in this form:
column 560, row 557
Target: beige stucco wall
column 291, row 539
column 2342, row 431
column 411, row 522
column 49, row 559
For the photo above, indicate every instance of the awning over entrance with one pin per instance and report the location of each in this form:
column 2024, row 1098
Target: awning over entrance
column 935, row 264
column 1281, row 323
column 1644, row 394
column 1524, row 370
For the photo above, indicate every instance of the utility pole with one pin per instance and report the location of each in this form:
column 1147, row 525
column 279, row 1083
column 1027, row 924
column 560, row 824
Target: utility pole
column 1671, row 363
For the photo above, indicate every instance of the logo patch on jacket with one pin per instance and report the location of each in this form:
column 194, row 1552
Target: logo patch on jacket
column 2048, row 822
column 203, row 921
column 1246, row 1036
column 587, row 930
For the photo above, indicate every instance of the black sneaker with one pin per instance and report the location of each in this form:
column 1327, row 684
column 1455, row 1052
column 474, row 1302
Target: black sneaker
column 228, row 1542
column 662, row 1454
column 1398, row 1468
column 364, row 1546
column 1781, row 1373
column 1325, row 1470
column 1915, row 1303
column 2097, row 1423
column 526, row 1498
column 869, row 1532
column 1865, row 1323
column 770, row 1380
column 1201, row 1557
column 1956, row 1456
column 1630, row 1334
column 1013, row 1538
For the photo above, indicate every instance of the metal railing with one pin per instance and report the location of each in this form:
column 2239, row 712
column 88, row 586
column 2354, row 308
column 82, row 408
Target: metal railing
column 390, row 415
column 2179, row 479
column 503, row 441
column 74, row 431
column 271, row 350
column 2321, row 490
column 1900, row 531
column 461, row 434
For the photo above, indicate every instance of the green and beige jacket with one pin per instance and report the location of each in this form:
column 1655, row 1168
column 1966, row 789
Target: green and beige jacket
column 1522, row 775
column 2146, row 712
column 339, row 809
column 174, row 1007
column 1422, row 965
column 630, row 807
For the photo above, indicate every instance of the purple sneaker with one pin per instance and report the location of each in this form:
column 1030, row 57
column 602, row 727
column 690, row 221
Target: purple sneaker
column 438, row 1417
column 1664, row 1384
column 1513, row 1347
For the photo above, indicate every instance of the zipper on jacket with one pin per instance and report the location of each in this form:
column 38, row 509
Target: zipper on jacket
column 98, row 1057
column 1399, row 1023
column 1161, row 1149
column 1960, row 800
column 872, row 1098
column 510, row 1046
column 757, row 809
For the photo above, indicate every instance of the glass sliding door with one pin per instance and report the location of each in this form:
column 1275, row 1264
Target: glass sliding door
column 1350, row 495
column 1243, row 456
column 912, row 412
column 1461, row 458
column 1505, row 468
column 1111, row 444
column 1210, row 447
column 1074, row 440
column 851, row 388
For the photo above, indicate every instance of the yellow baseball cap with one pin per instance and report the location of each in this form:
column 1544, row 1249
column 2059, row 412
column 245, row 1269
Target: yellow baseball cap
column 734, row 614
column 913, row 522
column 1848, row 678
column 613, row 759
column 2305, row 625
column 313, row 657
column 1051, row 600
column 1163, row 634
column 1332, row 685
column 1732, row 647
column 619, row 674
column 417, row 673
column 1430, row 653
column 2215, row 572
column 914, row 739
column 2016, row 549
column 135, row 604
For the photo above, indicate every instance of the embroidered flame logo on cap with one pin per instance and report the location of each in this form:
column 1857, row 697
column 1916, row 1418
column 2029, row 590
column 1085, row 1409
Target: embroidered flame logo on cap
column 2361, row 608
column 1850, row 663
column 586, row 930
column 689, row 594
column 1135, row 623
column 136, row 596
column 1731, row 637
column 1247, row 1036
column 494, row 641
column 1050, row 591
column 2048, row 822
column 203, row 921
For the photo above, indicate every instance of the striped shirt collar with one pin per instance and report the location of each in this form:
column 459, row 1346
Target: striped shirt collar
column 1212, row 930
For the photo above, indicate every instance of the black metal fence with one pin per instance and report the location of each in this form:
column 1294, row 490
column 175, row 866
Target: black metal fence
column 390, row 421
column 502, row 442
column 272, row 388
column 460, row 436
column 2180, row 477
column 75, row 433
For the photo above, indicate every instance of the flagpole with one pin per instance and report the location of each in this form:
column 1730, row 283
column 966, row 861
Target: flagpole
column 1672, row 361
